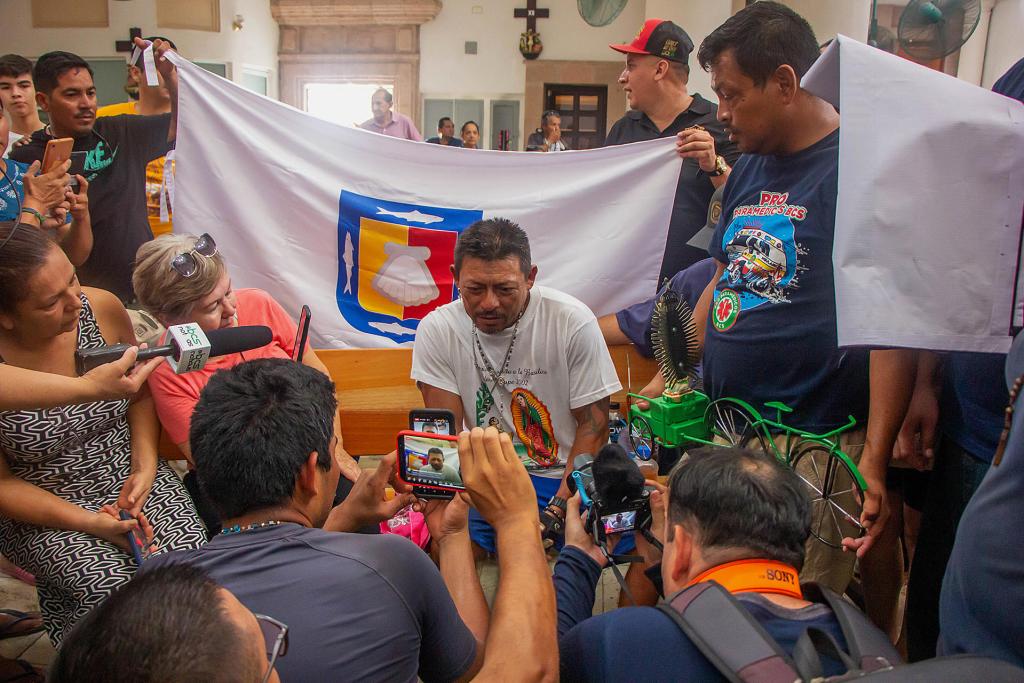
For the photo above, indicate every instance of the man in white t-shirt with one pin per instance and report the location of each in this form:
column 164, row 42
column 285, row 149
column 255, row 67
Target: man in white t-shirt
column 527, row 359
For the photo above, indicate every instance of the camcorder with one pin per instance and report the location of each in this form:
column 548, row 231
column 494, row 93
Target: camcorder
column 616, row 492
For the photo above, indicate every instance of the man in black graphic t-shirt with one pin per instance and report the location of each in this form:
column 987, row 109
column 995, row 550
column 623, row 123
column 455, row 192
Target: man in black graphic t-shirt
column 111, row 153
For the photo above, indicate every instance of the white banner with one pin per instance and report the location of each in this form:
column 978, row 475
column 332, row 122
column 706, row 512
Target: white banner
column 362, row 227
column 931, row 187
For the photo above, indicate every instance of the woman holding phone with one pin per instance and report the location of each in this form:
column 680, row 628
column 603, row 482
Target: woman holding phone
column 61, row 466
column 45, row 200
column 184, row 279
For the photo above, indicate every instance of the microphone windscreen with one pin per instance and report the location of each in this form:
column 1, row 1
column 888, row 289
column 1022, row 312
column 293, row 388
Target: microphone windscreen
column 616, row 476
column 228, row 340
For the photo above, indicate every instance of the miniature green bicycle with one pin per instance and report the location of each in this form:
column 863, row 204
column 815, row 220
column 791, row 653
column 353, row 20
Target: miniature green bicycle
column 686, row 418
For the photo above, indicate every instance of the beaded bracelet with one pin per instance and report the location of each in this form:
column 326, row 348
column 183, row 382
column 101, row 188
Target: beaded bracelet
column 32, row 212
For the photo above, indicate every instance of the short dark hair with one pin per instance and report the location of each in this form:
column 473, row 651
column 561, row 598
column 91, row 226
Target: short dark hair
column 763, row 36
column 174, row 616
column 468, row 123
column 12, row 66
column 253, row 429
column 547, row 115
column 737, row 499
column 493, row 239
column 440, row 121
column 51, row 66
column 21, row 256
column 435, row 449
column 388, row 97
column 167, row 40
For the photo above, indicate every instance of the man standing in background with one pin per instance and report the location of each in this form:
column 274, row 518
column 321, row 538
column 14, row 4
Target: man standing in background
column 153, row 99
column 387, row 122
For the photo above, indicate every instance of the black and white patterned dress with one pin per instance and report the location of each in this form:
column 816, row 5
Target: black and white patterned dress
column 82, row 454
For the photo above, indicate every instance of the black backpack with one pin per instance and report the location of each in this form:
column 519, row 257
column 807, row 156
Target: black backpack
column 743, row 652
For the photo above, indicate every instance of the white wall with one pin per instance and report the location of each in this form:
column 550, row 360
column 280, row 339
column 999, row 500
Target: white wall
column 255, row 46
column 829, row 18
column 698, row 18
column 498, row 69
column 1005, row 45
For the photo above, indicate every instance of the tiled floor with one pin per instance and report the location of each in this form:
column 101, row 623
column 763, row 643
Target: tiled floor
column 34, row 649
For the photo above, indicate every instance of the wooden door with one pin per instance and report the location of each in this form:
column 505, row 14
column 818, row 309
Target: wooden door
column 584, row 111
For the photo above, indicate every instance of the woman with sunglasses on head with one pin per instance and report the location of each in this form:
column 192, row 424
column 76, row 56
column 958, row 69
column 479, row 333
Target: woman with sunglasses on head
column 183, row 279
column 62, row 468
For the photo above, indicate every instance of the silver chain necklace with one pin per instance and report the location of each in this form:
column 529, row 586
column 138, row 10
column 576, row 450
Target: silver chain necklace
column 486, row 363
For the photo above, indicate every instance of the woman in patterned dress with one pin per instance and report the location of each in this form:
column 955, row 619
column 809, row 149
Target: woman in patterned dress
column 60, row 466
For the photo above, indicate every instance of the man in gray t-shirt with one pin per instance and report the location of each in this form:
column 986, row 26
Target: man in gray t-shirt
column 358, row 607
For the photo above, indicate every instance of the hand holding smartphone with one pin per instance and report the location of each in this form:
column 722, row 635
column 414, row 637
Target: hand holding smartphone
column 430, row 464
column 57, row 152
column 136, row 539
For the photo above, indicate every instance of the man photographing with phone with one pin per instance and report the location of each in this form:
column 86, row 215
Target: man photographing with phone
column 110, row 153
column 366, row 606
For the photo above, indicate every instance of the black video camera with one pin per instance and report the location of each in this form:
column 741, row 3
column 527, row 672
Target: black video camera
column 615, row 489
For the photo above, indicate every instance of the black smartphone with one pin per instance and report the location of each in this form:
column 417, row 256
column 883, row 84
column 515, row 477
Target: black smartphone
column 432, row 421
column 430, row 463
column 301, row 334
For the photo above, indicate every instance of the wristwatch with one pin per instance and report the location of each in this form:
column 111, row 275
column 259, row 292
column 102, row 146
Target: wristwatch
column 558, row 502
column 720, row 167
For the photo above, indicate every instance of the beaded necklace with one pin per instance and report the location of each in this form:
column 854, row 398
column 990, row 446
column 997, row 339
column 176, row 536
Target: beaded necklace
column 236, row 529
column 485, row 363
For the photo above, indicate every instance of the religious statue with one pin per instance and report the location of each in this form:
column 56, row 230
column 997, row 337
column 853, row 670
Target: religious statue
column 530, row 45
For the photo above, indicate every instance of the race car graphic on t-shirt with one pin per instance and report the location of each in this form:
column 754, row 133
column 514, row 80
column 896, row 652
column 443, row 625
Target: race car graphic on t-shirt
column 760, row 244
column 758, row 260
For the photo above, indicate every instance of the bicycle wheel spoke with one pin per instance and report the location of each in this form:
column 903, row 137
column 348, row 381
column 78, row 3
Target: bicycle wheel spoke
column 835, row 498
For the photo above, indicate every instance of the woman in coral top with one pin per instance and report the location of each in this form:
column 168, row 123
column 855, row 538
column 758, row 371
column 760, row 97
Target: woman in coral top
column 182, row 279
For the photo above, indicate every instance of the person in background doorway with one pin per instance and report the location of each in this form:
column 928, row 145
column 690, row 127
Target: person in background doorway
column 387, row 122
column 547, row 138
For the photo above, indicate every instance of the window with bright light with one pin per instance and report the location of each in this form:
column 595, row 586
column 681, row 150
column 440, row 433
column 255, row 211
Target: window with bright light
column 344, row 103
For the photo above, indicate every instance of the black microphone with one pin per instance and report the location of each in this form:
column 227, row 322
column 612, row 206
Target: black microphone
column 222, row 342
column 616, row 476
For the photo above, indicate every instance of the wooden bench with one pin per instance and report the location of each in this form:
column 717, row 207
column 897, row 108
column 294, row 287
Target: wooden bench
column 376, row 393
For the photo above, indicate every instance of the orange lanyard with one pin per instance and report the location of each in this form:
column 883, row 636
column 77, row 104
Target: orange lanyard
column 755, row 576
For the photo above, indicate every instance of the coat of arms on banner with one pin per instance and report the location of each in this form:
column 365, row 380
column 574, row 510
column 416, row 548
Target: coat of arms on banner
column 395, row 262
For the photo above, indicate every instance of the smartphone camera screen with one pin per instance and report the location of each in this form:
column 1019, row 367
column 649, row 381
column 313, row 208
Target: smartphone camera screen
column 618, row 522
column 430, row 425
column 431, row 461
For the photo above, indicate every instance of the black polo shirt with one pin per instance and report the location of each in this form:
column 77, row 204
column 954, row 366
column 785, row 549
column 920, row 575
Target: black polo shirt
column 693, row 193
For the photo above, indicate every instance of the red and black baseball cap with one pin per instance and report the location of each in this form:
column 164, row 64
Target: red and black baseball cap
column 659, row 38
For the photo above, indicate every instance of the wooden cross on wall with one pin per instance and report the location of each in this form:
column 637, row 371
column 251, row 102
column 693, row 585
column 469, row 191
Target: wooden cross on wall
column 531, row 14
column 129, row 45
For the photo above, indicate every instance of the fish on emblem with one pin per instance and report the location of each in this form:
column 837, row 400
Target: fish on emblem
column 411, row 216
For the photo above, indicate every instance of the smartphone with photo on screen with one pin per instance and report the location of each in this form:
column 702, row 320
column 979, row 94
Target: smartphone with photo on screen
column 430, row 464
column 432, row 421
column 301, row 335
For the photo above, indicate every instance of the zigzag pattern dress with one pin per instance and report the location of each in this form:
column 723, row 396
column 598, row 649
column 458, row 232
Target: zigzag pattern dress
column 82, row 454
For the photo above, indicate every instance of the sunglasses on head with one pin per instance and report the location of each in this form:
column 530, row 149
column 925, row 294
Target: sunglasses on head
column 185, row 264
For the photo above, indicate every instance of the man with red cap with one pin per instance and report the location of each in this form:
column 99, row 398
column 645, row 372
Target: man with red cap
column 655, row 79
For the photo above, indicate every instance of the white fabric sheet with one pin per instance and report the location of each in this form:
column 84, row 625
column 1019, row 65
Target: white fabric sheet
column 359, row 225
column 931, row 189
